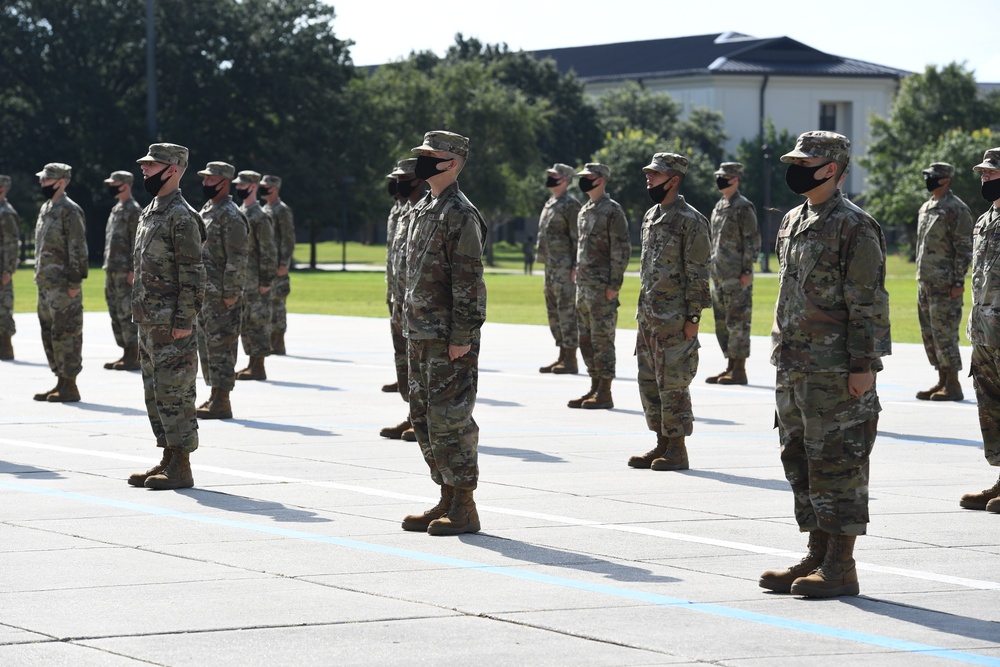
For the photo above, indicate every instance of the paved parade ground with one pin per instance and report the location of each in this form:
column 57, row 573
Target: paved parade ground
column 289, row 551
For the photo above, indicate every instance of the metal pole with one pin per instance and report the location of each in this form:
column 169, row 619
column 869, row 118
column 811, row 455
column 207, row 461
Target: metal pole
column 151, row 71
column 766, row 218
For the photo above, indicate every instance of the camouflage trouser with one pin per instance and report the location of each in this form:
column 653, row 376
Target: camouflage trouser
column 169, row 372
column 733, row 307
column 118, row 294
column 560, row 304
column 218, row 342
column 940, row 315
column 399, row 350
column 7, row 327
column 596, row 319
column 667, row 365
column 256, row 323
column 61, row 320
column 986, row 379
column 442, row 397
column 826, row 438
column 280, row 289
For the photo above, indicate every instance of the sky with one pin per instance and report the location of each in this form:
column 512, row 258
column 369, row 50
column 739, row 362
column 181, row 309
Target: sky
column 904, row 34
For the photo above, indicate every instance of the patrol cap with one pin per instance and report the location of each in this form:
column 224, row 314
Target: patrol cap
column 166, row 154
column 819, row 143
column 245, row 177
column 665, row 161
column 441, row 140
column 55, row 170
column 271, row 181
column 224, row 169
column 119, row 177
column 991, row 160
column 4, row 181
column 731, row 169
column 562, row 170
column 596, row 169
column 404, row 167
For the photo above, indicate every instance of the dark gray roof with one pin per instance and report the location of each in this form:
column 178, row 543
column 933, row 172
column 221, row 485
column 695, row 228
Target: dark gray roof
column 723, row 53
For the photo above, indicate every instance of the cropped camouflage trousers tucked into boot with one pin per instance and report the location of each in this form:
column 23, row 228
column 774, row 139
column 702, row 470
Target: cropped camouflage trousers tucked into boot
column 255, row 327
column 61, row 319
column 940, row 316
column 281, row 287
column 169, row 373
column 986, row 379
column 118, row 294
column 667, row 365
column 732, row 306
column 560, row 305
column 7, row 326
column 826, row 439
column 597, row 318
column 219, row 342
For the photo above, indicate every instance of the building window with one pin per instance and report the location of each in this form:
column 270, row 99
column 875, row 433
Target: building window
column 828, row 116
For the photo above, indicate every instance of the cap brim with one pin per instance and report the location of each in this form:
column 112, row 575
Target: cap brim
column 795, row 155
column 423, row 147
column 110, row 181
column 986, row 165
column 204, row 172
column 41, row 174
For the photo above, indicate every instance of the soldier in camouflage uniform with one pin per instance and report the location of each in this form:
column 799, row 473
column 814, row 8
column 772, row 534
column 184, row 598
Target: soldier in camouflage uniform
column 262, row 258
column 269, row 192
column 556, row 249
column 10, row 243
column 119, row 237
column 944, row 252
column 60, row 267
column 224, row 254
column 167, row 295
column 984, row 326
column 735, row 245
column 831, row 329
column 444, row 310
column 674, row 290
column 411, row 189
column 399, row 205
column 603, row 251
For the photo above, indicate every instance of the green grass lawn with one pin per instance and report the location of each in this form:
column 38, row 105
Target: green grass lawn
column 513, row 297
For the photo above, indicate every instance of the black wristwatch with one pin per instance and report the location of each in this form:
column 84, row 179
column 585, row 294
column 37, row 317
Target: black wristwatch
column 694, row 319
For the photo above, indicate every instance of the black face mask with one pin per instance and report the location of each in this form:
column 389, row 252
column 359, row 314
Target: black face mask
column 427, row 166
column 211, row 190
column 406, row 188
column 392, row 187
column 153, row 184
column 114, row 190
column 991, row 190
column 801, row 180
column 242, row 194
column 932, row 183
column 587, row 184
column 263, row 192
column 552, row 182
column 722, row 182
column 48, row 191
column 659, row 192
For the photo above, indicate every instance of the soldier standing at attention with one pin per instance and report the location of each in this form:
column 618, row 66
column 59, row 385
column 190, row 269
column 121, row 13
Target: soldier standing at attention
column 399, row 205
column 444, row 310
column 10, row 243
column 602, row 254
column 224, row 254
column 831, row 329
column 674, row 275
column 735, row 245
column 262, row 257
column 284, row 239
column 60, row 267
column 119, row 237
column 944, row 251
column 984, row 326
column 167, row 295
column 556, row 249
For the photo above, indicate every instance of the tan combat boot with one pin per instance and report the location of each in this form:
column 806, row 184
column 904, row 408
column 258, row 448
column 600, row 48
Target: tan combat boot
column 207, row 403
column 129, row 360
column 675, row 458
column 175, row 475
column 714, row 379
column 993, row 506
column 601, row 400
column 139, row 478
column 836, row 575
column 253, row 371
column 952, row 389
column 462, row 516
column 396, row 432
column 68, row 393
column 409, row 435
column 780, row 581
column 736, row 375
column 44, row 396
column 278, row 343
column 6, row 349
column 110, row 365
column 926, row 395
column 578, row 402
column 419, row 522
column 391, row 388
column 218, row 407
column 979, row 501
column 643, row 462
column 551, row 367
column 567, row 365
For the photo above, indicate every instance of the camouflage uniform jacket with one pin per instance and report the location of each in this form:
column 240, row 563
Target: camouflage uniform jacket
column 558, row 232
column 224, row 251
column 944, row 241
column 984, row 318
column 284, row 230
column 674, row 267
column 604, row 248
column 832, row 312
column 60, row 245
column 735, row 239
column 262, row 255
column 397, row 254
column 445, row 292
column 391, row 225
column 10, row 238
column 119, row 236
column 169, row 282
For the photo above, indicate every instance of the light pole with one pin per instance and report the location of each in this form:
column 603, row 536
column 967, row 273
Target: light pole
column 151, row 70
column 765, row 219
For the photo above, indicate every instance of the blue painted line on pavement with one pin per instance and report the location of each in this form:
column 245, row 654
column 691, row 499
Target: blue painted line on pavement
column 890, row 643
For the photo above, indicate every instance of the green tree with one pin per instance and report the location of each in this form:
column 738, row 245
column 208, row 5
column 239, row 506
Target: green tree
column 633, row 107
column 751, row 153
